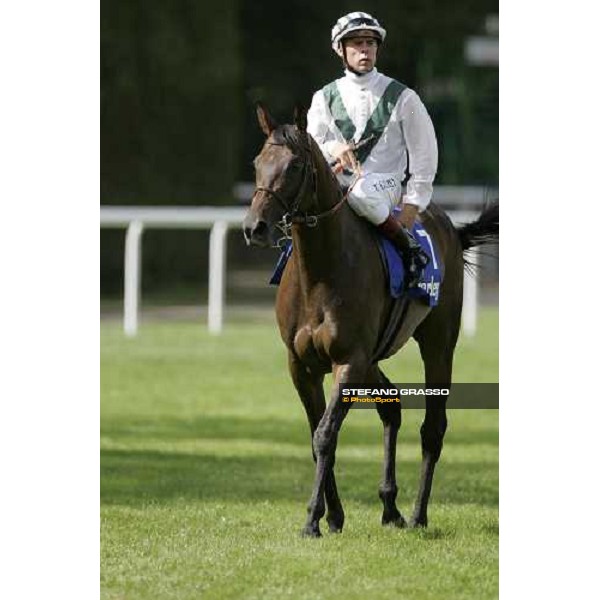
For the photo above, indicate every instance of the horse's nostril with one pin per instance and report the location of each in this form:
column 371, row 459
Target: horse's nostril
column 256, row 233
column 260, row 229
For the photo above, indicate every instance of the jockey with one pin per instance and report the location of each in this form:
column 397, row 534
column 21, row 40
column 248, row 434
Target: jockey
column 366, row 124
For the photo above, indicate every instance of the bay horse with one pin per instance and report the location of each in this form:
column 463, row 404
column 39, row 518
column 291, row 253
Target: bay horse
column 332, row 304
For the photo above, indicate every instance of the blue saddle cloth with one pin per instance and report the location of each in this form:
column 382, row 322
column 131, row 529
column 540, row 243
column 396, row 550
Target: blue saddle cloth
column 428, row 288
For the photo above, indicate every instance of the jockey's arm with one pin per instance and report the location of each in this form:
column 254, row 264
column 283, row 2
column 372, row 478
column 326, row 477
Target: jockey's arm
column 408, row 215
column 319, row 128
column 423, row 157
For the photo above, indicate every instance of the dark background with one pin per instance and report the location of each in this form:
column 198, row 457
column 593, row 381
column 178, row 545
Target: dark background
column 178, row 85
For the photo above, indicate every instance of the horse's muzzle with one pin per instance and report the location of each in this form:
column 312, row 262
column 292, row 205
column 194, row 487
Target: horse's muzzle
column 256, row 233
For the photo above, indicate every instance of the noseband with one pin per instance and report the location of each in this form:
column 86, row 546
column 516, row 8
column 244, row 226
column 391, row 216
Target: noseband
column 293, row 215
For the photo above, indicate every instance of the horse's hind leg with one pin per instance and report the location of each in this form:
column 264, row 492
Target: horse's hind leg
column 391, row 417
column 310, row 390
column 437, row 339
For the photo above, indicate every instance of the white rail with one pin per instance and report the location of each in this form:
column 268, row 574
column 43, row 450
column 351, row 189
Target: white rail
column 136, row 219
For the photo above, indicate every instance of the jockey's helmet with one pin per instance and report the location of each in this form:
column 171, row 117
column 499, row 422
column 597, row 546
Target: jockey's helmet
column 355, row 21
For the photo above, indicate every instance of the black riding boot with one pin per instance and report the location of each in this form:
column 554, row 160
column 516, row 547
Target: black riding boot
column 414, row 257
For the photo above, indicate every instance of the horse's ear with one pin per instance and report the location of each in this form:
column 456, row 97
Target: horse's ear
column 265, row 120
column 300, row 118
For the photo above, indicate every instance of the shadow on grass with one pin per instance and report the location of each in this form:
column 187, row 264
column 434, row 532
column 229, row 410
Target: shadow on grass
column 357, row 430
column 142, row 477
column 432, row 534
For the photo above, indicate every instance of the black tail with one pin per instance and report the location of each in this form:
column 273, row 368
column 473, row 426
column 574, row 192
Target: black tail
column 482, row 231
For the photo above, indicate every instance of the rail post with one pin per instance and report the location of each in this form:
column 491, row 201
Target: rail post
column 133, row 274
column 216, row 276
column 470, row 292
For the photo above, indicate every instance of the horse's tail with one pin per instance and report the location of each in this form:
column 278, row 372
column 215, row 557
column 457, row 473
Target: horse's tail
column 483, row 230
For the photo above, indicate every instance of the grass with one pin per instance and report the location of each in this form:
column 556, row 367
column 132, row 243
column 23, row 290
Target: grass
column 206, row 472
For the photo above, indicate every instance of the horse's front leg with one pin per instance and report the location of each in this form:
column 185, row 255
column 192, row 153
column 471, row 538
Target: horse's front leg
column 310, row 390
column 325, row 441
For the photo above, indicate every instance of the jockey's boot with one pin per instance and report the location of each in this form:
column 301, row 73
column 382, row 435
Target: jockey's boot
column 414, row 257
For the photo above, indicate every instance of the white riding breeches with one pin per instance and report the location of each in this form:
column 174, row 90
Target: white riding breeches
column 375, row 195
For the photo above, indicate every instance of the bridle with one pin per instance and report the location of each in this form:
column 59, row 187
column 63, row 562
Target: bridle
column 293, row 215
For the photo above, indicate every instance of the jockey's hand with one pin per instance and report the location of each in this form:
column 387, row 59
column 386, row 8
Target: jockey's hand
column 345, row 157
column 408, row 215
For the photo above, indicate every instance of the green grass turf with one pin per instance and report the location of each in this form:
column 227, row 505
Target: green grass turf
column 206, row 472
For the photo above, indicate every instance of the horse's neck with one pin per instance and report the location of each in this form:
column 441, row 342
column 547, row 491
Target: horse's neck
column 328, row 189
column 319, row 248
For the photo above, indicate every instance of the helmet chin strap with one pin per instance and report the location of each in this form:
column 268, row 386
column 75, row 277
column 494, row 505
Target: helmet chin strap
column 357, row 73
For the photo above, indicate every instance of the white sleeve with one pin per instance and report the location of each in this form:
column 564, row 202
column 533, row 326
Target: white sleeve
column 422, row 151
column 319, row 125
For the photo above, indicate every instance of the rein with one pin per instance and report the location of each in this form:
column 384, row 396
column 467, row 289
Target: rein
column 294, row 216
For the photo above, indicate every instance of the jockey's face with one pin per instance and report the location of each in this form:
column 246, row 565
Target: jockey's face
column 361, row 51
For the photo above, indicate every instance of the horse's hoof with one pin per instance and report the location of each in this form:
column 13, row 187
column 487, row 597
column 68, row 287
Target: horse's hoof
column 311, row 532
column 399, row 522
column 418, row 523
column 336, row 524
column 392, row 516
column 335, row 527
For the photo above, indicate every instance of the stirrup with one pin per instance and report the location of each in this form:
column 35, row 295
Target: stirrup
column 415, row 263
column 415, row 252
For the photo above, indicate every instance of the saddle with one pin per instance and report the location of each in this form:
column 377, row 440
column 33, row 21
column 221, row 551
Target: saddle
column 426, row 290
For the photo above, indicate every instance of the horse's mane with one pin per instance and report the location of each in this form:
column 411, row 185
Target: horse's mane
column 298, row 142
column 291, row 137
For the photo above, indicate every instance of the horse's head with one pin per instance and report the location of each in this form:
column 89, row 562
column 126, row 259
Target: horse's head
column 284, row 175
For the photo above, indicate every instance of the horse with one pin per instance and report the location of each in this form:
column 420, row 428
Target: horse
column 332, row 305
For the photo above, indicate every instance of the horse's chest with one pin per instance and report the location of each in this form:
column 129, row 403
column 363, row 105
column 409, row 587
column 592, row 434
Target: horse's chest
column 312, row 343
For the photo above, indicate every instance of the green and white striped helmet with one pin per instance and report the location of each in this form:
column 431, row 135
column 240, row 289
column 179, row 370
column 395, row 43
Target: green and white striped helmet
column 355, row 21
